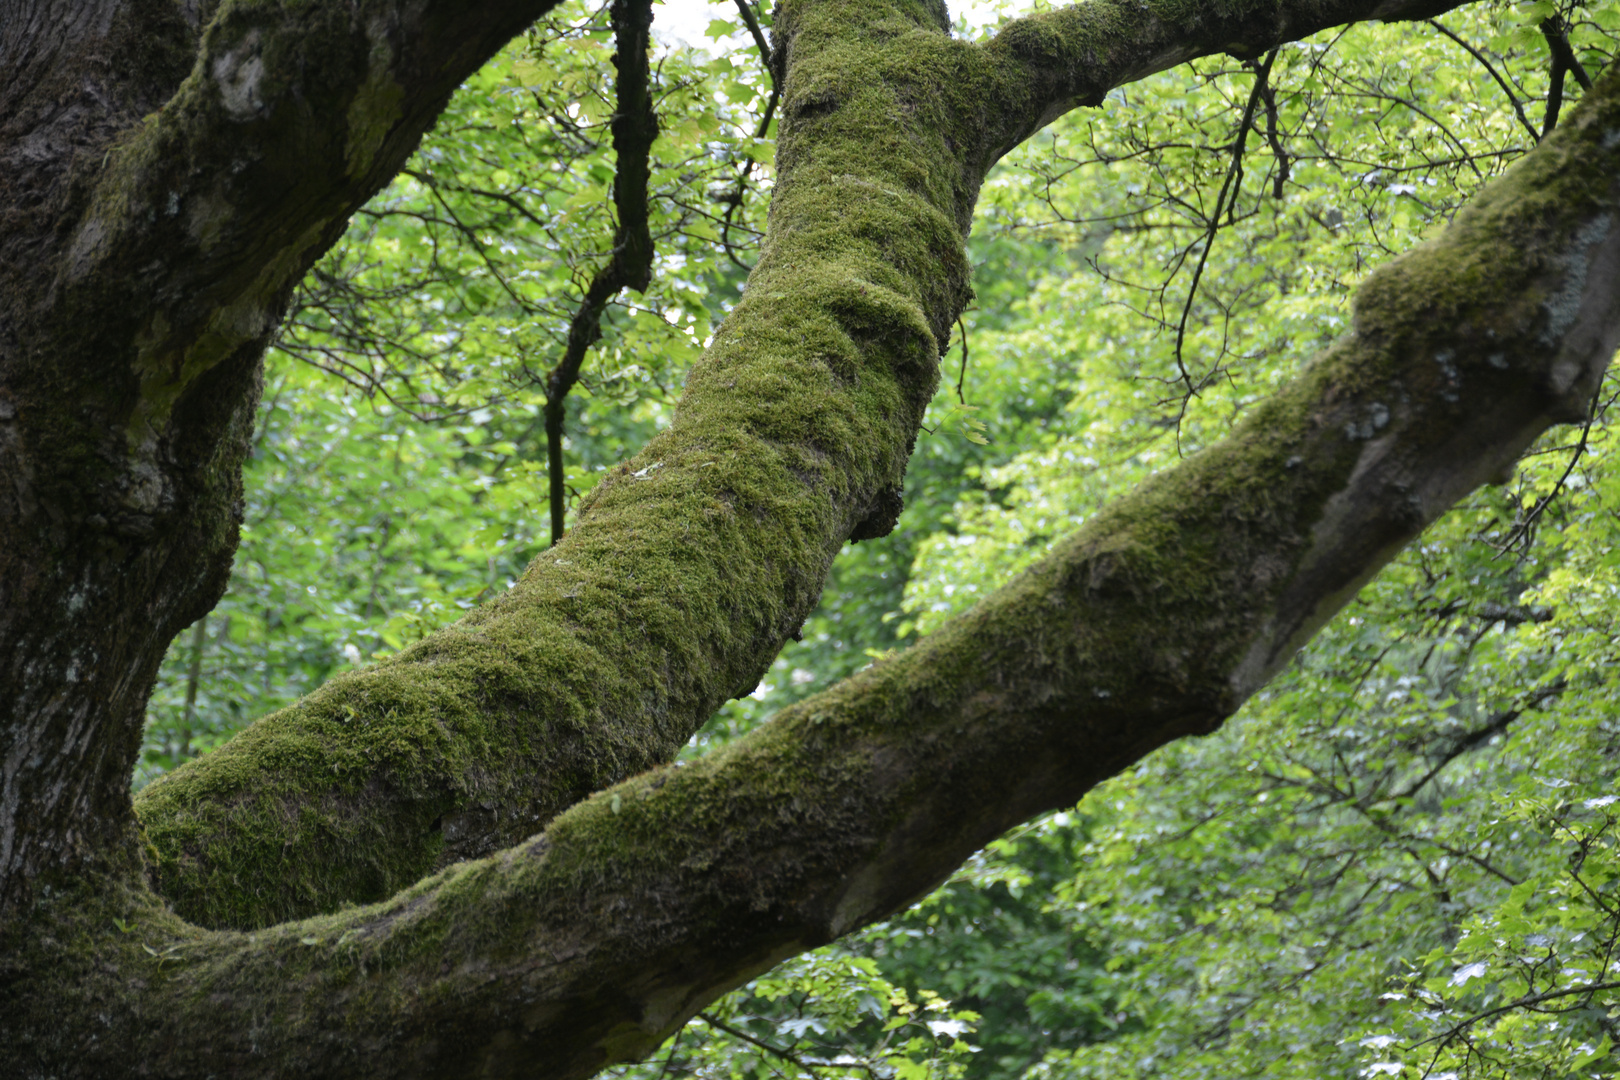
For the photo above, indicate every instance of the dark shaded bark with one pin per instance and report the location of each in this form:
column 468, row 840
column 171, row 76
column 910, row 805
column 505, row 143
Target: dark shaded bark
column 590, row 942
column 167, row 174
column 1564, row 63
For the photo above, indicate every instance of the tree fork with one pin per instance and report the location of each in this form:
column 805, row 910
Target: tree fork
column 689, row 566
column 686, row 569
column 167, row 184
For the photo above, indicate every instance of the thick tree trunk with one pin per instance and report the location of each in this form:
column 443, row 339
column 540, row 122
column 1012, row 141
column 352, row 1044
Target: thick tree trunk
column 165, row 183
column 127, row 376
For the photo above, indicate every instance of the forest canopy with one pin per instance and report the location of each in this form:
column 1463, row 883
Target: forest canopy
column 1399, row 859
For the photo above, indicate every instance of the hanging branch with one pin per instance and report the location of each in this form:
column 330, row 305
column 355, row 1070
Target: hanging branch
column 199, row 638
column 961, row 375
column 1582, row 445
column 733, row 199
column 1564, row 62
column 1225, row 202
column 1268, row 94
column 634, row 127
column 746, row 10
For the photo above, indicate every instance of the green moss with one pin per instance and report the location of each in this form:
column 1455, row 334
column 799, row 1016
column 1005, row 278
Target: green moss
column 691, row 564
column 687, row 568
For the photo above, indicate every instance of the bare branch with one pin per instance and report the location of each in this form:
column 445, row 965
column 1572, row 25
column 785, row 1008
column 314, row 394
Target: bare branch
column 635, row 126
column 1484, row 61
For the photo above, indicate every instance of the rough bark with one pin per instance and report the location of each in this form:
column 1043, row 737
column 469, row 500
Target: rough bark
column 169, row 172
column 590, row 942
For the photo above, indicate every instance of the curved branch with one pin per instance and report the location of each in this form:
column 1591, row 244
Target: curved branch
column 1057, row 61
column 1484, row 62
column 685, row 572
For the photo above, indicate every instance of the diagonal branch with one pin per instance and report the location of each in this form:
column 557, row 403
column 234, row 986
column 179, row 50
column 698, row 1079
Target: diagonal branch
column 1496, row 76
column 683, row 575
column 1225, row 202
column 1492, row 727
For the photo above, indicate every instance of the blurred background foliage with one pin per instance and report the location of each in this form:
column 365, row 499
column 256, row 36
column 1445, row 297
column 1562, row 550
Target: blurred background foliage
column 1398, row 860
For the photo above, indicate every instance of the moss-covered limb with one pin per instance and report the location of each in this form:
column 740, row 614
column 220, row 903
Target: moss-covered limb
column 590, row 943
column 688, row 567
column 1058, row 60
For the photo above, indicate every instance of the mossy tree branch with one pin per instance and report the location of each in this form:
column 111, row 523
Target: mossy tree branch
column 1059, row 60
column 685, row 570
column 592, row 942
column 690, row 566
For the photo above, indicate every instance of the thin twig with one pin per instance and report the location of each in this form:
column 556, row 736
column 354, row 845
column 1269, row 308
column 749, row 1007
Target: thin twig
column 739, row 1033
column 1546, row 500
column 1232, row 184
column 1268, row 94
column 1494, row 726
column 1518, row 108
column 961, row 374
column 734, row 199
column 1523, row 1002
